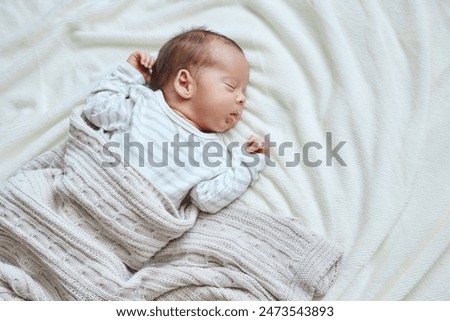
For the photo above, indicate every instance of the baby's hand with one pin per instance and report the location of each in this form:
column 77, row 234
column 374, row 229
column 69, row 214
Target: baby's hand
column 143, row 62
column 256, row 145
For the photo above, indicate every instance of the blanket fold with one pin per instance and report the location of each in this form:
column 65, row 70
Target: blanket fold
column 73, row 228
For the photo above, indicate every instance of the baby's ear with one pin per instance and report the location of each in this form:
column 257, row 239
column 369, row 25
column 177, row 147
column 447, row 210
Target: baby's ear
column 184, row 84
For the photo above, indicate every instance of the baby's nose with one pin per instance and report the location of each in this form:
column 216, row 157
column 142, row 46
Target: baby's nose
column 241, row 99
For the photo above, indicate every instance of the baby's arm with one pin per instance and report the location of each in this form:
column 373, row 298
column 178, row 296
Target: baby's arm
column 212, row 195
column 109, row 105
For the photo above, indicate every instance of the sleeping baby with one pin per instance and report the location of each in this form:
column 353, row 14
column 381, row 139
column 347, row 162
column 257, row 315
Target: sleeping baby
column 173, row 131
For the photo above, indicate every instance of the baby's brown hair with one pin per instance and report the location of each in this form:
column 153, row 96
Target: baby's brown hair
column 188, row 50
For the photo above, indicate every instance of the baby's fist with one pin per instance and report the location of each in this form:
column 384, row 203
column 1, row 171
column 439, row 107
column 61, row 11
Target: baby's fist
column 256, row 145
column 143, row 62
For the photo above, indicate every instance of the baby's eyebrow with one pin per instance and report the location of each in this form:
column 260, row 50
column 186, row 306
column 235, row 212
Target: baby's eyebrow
column 228, row 78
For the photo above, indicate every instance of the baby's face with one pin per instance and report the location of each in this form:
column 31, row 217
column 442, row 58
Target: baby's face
column 220, row 90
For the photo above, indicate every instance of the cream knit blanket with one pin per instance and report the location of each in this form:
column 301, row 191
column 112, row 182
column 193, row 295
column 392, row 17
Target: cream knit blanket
column 72, row 229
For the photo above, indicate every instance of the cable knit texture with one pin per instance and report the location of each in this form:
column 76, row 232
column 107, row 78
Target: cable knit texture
column 72, row 228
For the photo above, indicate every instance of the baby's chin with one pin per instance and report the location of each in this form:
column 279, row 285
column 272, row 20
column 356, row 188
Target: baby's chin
column 227, row 126
column 220, row 127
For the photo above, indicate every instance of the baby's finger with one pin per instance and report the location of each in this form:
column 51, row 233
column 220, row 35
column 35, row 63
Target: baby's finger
column 149, row 62
column 251, row 139
column 152, row 61
column 144, row 60
column 253, row 147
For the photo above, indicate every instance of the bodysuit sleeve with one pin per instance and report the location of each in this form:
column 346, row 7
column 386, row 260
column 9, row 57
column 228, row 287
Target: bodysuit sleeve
column 109, row 106
column 214, row 194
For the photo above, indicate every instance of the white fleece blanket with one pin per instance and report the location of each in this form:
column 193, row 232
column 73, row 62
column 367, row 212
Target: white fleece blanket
column 374, row 74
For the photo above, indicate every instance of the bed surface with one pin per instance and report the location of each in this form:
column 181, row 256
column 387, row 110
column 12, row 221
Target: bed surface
column 372, row 77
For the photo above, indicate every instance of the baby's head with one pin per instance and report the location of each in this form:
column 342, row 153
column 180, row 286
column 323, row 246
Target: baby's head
column 203, row 76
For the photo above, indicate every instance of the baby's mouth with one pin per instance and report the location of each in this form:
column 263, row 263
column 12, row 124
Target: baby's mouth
column 234, row 116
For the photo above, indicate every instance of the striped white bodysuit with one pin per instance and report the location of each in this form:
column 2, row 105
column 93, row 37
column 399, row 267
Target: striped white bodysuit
column 172, row 153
